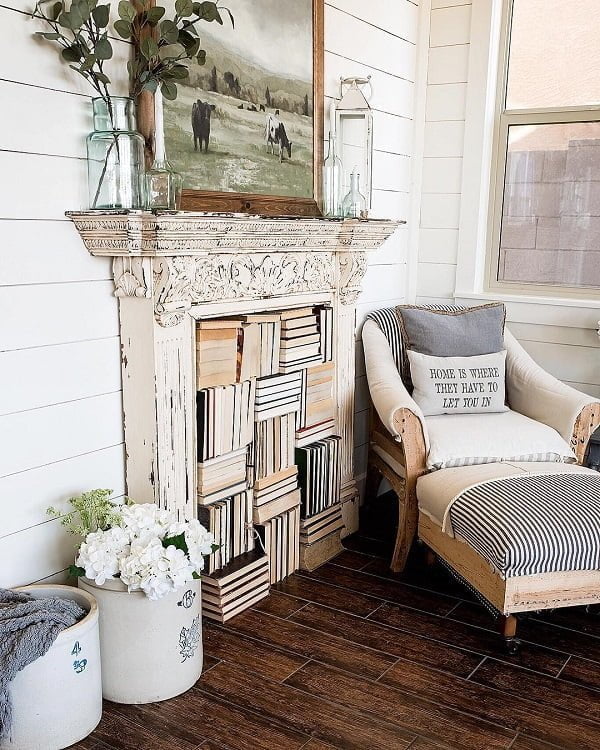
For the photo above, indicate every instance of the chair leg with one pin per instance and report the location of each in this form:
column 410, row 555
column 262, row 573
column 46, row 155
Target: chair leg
column 372, row 482
column 407, row 528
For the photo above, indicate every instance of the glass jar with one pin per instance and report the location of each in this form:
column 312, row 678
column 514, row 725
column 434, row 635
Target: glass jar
column 115, row 153
column 333, row 176
column 163, row 187
column 354, row 205
column 163, row 183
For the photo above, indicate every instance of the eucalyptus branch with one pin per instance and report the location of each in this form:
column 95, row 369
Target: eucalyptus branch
column 162, row 49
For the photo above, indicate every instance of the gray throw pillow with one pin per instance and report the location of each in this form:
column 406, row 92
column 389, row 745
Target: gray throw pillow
column 464, row 332
column 450, row 331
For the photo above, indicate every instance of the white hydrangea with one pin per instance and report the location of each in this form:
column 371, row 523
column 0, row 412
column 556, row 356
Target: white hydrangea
column 101, row 552
column 135, row 551
column 146, row 520
column 199, row 542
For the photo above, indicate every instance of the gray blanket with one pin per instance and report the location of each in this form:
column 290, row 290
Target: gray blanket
column 28, row 627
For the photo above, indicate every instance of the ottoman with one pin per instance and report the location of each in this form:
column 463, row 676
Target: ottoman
column 524, row 536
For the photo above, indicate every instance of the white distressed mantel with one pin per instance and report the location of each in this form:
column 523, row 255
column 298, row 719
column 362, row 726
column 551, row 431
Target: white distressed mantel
column 171, row 269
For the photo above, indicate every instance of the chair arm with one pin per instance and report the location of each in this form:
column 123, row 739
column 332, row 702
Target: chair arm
column 393, row 403
column 535, row 393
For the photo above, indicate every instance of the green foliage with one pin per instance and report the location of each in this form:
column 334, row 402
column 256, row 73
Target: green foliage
column 175, row 541
column 164, row 45
column 75, row 571
column 91, row 511
column 81, row 32
column 161, row 46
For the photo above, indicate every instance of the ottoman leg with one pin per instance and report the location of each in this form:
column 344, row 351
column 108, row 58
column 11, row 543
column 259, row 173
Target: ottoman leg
column 508, row 628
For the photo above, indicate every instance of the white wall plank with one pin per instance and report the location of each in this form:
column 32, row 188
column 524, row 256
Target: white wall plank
column 33, row 378
column 44, row 314
column 24, row 497
column 44, row 436
column 436, row 280
column 388, row 204
column 399, row 18
column 440, row 211
column 448, row 64
column 446, row 101
column 35, row 553
column 376, row 49
column 438, row 245
column 44, row 252
column 444, row 139
column 442, row 175
column 450, row 26
column 21, row 129
column 46, row 187
column 393, row 251
column 559, row 359
column 382, row 282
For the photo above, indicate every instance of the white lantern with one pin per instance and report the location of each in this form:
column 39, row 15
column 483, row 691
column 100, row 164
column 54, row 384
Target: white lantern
column 354, row 130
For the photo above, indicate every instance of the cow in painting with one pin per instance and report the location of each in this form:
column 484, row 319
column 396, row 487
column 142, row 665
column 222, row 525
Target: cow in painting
column 201, row 112
column 275, row 135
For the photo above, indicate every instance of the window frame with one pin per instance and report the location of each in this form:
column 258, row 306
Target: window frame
column 503, row 119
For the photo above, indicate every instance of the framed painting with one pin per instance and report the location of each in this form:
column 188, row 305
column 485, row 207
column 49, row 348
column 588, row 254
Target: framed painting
column 246, row 129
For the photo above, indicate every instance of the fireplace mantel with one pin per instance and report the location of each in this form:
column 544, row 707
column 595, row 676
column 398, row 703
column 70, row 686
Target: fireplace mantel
column 173, row 268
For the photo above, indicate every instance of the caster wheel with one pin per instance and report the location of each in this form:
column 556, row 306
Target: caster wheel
column 513, row 646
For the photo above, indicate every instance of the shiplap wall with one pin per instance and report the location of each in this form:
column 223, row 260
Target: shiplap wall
column 378, row 39
column 447, row 75
column 60, row 401
column 561, row 338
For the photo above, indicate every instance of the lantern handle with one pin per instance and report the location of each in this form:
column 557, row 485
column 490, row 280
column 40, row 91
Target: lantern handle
column 356, row 81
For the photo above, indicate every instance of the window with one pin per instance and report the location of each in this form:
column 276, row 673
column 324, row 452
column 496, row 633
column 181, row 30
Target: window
column 545, row 221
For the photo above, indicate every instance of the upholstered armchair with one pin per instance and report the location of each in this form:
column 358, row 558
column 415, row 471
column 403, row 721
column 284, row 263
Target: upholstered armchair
column 402, row 440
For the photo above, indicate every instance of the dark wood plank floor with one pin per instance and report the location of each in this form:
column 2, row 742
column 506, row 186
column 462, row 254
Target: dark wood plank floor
column 355, row 658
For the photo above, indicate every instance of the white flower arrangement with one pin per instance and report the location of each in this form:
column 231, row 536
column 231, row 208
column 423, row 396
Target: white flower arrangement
column 143, row 545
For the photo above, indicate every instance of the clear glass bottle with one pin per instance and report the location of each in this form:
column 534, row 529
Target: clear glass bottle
column 163, row 183
column 354, row 205
column 115, row 155
column 333, row 175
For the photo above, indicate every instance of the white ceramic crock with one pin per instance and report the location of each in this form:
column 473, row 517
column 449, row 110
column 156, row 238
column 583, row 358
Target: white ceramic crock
column 151, row 650
column 57, row 699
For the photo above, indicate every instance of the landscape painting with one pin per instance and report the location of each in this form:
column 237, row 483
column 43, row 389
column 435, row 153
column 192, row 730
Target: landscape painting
column 244, row 121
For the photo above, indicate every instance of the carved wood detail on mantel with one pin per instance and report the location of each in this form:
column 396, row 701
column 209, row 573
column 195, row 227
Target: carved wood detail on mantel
column 172, row 268
column 183, row 259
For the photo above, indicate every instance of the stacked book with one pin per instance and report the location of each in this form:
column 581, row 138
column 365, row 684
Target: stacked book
column 277, row 395
column 274, row 445
column 217, row 352
column 280, row 537
column 275, row 494
column 230, row 521
column 239, row 585
column 225, row 418
column 300, row 339
column 321, row 525
column 320, row 537
column 316, row 418
column 326, row 332
column 319, row 474
column 258, row 345
column 223, row 476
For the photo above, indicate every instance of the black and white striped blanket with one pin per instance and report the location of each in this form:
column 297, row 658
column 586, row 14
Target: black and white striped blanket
column 532, row 524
